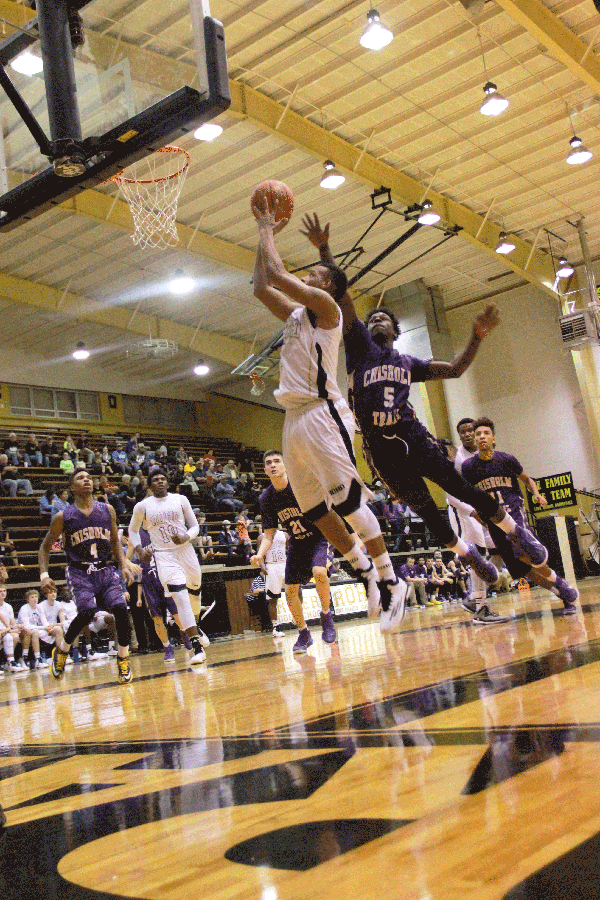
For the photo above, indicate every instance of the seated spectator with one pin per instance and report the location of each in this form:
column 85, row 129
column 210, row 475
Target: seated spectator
column 66, row 464
column 244, row 546
column 33, row 453
column 60, row 502
column 188, row 486
column 132, row 446
column 84, row 452
column 224, row 493
column 177, row 476
column 10, row 480
column 393, row 511
column 46, row 501
column 443, row 575
column 10, row 633
column 107, row 461
column 244, row 461
column 127, row 493
column 11, row 448
column 417, row 581
column 210, row 456
column 7, row 547
column 460, row 573
column 190, row 465
column 54, row 450
column 230, row 469
column 52, row 610
column 380, row 498
column 162, row 452
column 69, row 446
column 119, row 458
column 227, row 540
column 203, row 542
column 433, row 584
column 34, row 624
column 96, row 466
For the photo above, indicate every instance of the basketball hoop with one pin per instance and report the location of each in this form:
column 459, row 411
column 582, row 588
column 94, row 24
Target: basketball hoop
column 258, row 384
column 153, row 196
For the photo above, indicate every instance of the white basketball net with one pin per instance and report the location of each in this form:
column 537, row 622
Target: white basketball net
column 152, row 188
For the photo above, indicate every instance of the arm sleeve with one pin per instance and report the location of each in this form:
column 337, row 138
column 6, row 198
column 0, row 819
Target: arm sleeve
column 190, row 519
column 137, row 520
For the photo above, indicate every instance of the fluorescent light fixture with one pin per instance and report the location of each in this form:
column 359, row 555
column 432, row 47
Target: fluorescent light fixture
column 201, row 368
column 180, row 283
column 332, row 178
column 494, row 103
column 80, row 352
column 428, row 216
column 564, row 269
column 27, row 64
column 376, row 35
column 504, row 245
column 579, row 154
column 208, row 131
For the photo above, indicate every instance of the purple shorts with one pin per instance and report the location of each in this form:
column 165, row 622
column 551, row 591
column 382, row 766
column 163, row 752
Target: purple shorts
column 302, row 556
column 92, row 590
column 156, row 599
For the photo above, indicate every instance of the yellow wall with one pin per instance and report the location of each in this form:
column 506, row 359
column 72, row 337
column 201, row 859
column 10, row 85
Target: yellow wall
column 253, row 426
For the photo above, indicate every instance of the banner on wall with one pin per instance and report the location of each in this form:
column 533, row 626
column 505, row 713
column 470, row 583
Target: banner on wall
column 558, row 490
column 347, row 599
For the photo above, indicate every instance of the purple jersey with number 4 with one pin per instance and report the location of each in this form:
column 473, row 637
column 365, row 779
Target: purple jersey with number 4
column 87, row 537
column 498, row 476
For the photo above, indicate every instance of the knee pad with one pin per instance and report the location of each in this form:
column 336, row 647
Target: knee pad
column 184, row 607
column 364, row 522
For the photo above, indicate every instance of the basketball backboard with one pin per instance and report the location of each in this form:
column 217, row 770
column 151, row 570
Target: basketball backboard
column 144, row 76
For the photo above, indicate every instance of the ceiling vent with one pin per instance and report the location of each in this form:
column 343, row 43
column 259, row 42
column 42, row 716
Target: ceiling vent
column 580, row 327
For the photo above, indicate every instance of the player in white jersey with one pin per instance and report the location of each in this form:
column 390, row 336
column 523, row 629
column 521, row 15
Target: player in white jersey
column 318, row 431
column 171, row 524
column 275, row 569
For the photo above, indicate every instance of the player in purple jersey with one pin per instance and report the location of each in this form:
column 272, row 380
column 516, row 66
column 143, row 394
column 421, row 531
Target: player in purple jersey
column 92, row 546
column 306, row 554
column 402, row 451
column 499, row 474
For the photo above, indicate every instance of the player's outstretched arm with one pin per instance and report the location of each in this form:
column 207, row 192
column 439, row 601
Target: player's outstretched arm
column 485, row 322
column 530, row 484
column 318, row 301
column 129, row 569
column 52, row 535
column 275, row 301
column 265, row 545
column 137, row 519
column 319, row 238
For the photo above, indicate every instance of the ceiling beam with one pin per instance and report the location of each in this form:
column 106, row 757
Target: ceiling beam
column 40, row 296
column 546, row 27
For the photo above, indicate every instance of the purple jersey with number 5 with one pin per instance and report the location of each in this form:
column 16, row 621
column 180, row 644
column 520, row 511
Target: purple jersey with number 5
column 87, row 537
column 497, row 476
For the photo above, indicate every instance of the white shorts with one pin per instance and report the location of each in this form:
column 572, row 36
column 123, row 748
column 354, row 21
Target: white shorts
column 319, row 458
column 178, row 567
column 275, row 579
column 466, row 527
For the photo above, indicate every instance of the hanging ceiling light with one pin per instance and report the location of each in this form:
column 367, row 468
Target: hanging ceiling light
column 208, row 131
column 428, row 216
column 27, row 63
column 376, row 35
column 180, row 283
column 579, row 154
column 504, row 245
column 201, row 368
column 332, row 178
column 564, row 269
column 80, row 352
column 494, row 102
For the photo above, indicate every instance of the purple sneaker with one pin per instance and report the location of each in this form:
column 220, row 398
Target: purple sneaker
column 186, row 641
column 483, row 567
column 304, row 641
column 329, row 635
column 170, row 653
column 525, row 543
column 567, row 594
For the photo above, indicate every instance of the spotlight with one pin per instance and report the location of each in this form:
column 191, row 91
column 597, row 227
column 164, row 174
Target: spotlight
column 504, row 245
column 376, row 35
column 494, row 103
column 208, row 131
column 428, row 216
column 180, row 283
column 579, row 154
column 201, row 368
column 564, row 269
column 80, row 352
column 27, row 63
column 332, row 179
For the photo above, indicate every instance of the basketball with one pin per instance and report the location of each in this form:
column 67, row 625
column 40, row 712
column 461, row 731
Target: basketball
column 278, row 196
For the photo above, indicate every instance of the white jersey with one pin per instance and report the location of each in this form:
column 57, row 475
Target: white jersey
column 275, row 555
column 7, row 614
column 164, row 517
column 70, row 609
column 462, row 454
column 308, row 362
column 51, row 611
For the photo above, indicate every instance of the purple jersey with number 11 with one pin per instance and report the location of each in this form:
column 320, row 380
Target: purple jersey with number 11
column 87, row 537
column 497, row 476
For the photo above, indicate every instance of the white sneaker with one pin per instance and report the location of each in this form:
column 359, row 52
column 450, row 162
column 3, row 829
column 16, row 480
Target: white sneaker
column 369, row 580
column 204, row 639
column 112, row 652
column 20, row 667
column 277, row 633
column 393, row 596
column 69, row 661
column 198, row 658
column 42, row 664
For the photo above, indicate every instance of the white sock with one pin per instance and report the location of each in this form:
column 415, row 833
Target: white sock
column 552, row 576
column 64, row 647
column 460, row 547
column 384, row 567
column 358, row 559
column 507, row 524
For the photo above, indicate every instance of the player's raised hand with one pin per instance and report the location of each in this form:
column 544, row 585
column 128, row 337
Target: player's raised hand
column 265, row 213
column 313, row 231
column 48, row 586
column 487, row 320
column 130, row 570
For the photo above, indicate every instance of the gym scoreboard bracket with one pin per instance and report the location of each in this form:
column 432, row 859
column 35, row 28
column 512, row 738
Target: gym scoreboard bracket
column 558, row 490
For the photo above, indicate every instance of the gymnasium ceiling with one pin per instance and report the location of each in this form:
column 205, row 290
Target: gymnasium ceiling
column 303, row 89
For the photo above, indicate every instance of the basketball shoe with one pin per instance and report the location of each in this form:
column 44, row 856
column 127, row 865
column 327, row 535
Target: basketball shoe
column 393, row 604
column 170, row 653
column 483, row 567
column 328, row 635
column 371, row 585
column 485, row 616
column 304, row 641
column 203, row 638
column 567, row 594
column 124, row 669
column 59, row 661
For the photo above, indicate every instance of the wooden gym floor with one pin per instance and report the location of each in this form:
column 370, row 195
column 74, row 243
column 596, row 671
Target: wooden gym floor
column 448, row 762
